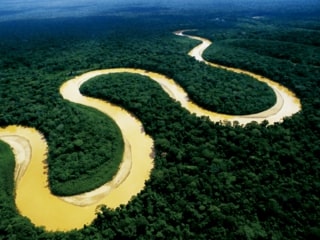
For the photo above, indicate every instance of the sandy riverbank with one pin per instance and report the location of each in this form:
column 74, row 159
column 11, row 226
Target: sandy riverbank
column 286, row 104
column 18, row 138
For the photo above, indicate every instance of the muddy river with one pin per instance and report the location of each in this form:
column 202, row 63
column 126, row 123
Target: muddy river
column 33, row 197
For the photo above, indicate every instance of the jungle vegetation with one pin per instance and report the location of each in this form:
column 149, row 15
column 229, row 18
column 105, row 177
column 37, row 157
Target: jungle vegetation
column 210, row 181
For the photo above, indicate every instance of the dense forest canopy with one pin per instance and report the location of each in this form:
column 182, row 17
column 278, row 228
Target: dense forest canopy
column 210, row 181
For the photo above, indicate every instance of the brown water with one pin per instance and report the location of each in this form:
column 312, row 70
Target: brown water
column 286, row 104
column 33, row 197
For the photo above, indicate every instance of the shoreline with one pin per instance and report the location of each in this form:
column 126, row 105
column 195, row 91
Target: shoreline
column 286, row 103
column 22, row 151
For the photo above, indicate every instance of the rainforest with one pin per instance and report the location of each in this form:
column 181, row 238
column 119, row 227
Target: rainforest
column 153, row 122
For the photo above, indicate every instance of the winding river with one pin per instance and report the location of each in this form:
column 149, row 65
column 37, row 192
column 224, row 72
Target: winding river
column 33, row 197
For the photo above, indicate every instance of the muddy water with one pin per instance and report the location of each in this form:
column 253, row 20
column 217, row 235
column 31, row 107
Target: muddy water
column 33, row 197
column 286, row 104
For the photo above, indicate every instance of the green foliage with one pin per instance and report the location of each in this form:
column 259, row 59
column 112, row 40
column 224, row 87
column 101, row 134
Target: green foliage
column 225, row 92
column 13, row 226
column 7, row 169
column 289, row 51
column 71, row 164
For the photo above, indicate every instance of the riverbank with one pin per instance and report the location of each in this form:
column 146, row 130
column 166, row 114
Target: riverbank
column 33, row 194
column 286, row 104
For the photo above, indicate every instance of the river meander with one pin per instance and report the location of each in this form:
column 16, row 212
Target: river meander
column 33, row 197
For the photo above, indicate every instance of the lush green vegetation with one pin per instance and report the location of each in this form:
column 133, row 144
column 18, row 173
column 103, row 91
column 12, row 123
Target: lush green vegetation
column 7, row 172
column 209, row 181
column 286, row 50
column 74, row 168
column 11, row 223
column 70, row 129
column 225, row 92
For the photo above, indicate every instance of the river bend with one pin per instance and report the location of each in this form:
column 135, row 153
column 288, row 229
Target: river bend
column 33, row 197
